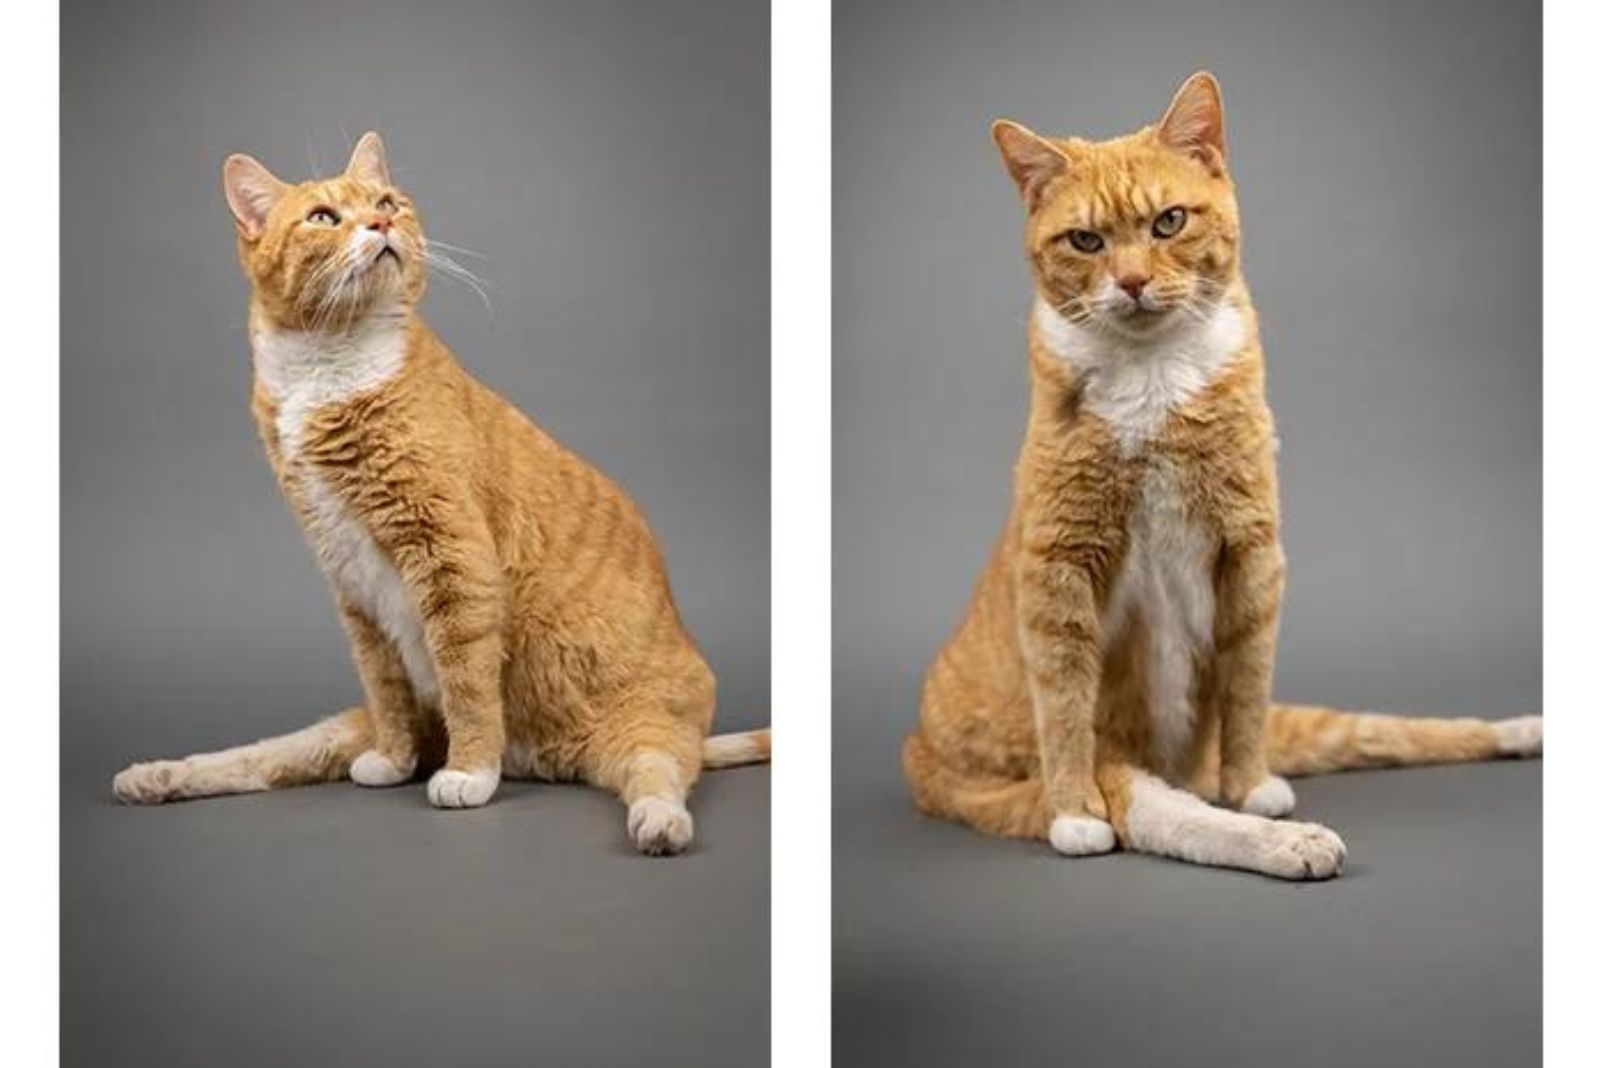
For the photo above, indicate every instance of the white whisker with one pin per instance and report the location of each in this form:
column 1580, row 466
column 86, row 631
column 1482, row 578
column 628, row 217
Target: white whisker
column 461, row 250
column 451, row 269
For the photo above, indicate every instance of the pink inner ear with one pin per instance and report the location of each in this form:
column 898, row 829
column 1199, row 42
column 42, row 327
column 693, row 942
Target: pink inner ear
column 1031, row 161
column 1042, row 168
column 1033, row 189
column 251, row 191
column 1194, row 122
column 257, row 205
column 1192, row 130
column 368, row 162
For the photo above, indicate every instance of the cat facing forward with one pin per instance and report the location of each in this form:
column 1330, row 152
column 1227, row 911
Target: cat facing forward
column 507, row 605
column 1112, row 676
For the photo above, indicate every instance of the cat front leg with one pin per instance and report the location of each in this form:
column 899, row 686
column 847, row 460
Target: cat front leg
column 1153, row 816
column 1059, row 627
column 1245, row 636
column 396, row 719
column 454, row 580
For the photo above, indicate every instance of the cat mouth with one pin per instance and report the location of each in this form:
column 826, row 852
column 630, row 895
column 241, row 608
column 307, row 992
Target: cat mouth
column 387, row 251
column 1139, row 315
column 1140, row 321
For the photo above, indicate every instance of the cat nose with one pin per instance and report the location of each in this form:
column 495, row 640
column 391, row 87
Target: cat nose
column 381, row 224
column 1133, row 284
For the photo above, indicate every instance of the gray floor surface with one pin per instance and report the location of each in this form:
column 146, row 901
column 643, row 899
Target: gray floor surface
column 336, row 925
column 956, row 949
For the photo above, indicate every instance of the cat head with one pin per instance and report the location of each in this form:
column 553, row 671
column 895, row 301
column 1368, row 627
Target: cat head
column 326, row 253
column 1134, row 235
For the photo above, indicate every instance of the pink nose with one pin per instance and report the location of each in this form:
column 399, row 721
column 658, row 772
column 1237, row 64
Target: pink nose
column 1133, row 284
column 381, row 224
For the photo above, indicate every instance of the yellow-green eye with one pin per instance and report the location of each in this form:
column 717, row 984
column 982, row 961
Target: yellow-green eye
column 1086, row 240
column 323, row 217
column 1169, row 222
column 387, row 203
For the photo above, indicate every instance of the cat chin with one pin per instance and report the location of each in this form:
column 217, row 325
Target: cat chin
column 388, row 301
column 1145, row 327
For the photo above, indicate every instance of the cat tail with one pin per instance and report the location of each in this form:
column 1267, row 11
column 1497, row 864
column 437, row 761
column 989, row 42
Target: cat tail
column 1013, row 808
column 321, row 752
column 1306, row 740
column 736, row 750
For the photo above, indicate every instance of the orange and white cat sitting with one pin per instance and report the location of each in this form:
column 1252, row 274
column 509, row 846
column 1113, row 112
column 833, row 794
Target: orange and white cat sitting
column 1115, row 665
column 507, row 604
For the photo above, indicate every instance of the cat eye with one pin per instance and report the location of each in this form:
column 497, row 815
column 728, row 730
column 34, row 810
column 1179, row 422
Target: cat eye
column 323, row 217
column 387, row 203
column 1086, row 240
column 1169, row 222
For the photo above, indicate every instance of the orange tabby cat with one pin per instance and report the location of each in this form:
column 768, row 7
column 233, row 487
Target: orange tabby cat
column 1118, row 650
column 507, row 605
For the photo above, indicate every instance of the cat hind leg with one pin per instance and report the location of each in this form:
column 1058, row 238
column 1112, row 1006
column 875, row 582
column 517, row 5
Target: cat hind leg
column 651, row 759
column 322, row 752
column 1013, row 808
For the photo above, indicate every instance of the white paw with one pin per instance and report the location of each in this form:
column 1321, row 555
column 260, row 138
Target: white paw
column 1301, row 851
column 1272, row 798
column 372, row 768
column 659, row 826
column 450, row 788
column 1522, row 736
column 1081, row 836
column 149, row 784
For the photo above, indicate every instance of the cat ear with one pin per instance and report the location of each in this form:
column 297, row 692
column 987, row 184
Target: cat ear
column 369, row 162
column 1193, row 122
column 1031, row 159
column 251, row 191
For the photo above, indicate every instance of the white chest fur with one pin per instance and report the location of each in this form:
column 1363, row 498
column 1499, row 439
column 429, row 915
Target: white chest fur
column 308, row 370
column 304, row 373
column 1166, row 579
column 1165, row 583
column 1134, row 385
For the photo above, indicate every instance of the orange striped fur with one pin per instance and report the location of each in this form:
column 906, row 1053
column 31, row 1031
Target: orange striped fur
column 507, row 605
column 1116, row 657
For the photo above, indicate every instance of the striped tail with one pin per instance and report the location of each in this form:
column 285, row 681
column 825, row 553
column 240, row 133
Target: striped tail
column 321, row 752
column 736, row 750
column 1305, row 740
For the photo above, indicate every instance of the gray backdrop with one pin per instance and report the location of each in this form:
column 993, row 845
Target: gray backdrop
column 609, row 160
column 1387, row 156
